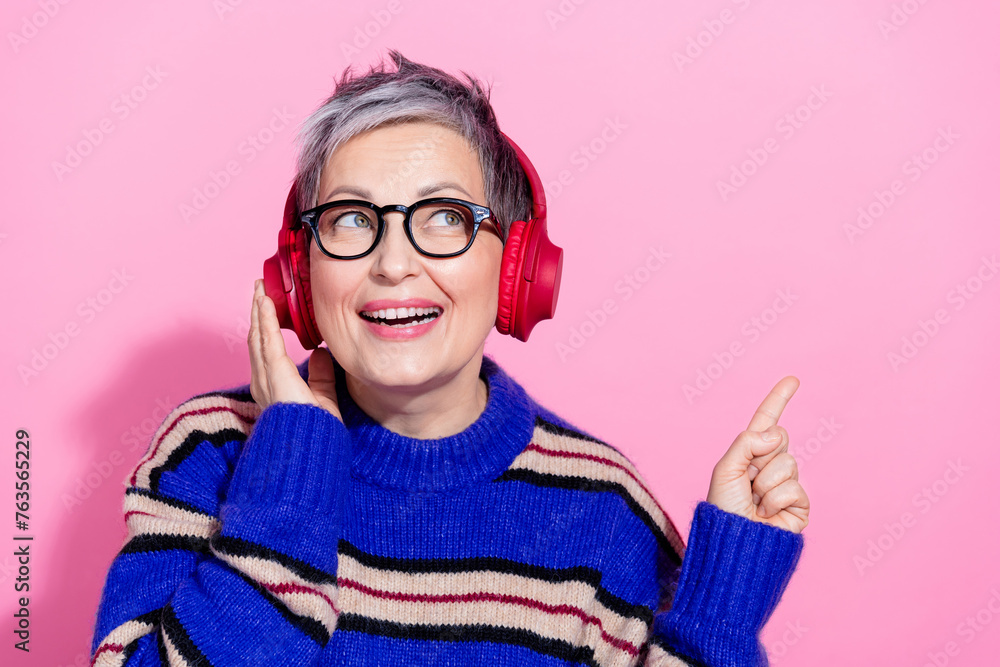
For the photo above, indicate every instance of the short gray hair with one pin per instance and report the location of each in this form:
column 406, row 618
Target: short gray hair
column 414, row 92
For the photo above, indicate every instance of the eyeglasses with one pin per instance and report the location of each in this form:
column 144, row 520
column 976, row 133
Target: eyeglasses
column 437, row 227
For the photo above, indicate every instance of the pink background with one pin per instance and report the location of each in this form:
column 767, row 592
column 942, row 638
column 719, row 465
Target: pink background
column 870, row 435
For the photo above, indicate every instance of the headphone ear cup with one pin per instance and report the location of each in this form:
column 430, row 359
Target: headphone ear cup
column 286, row 279
column 511, row 268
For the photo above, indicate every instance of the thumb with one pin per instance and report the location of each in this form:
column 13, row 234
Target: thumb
column 748, row 446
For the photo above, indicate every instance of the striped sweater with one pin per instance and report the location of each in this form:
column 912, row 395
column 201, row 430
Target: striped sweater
column 286, row 536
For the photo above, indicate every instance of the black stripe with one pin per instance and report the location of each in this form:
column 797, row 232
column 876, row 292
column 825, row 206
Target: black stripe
column 152, row 617
column 180, row 639
column 656, row 639
column 575, row 483
column 309, row 626
column 168, row 500
column 556, row 429
column 160, row 542
column 241, row 394
column 235, row 546
column 466, row 633
column 161, row 648
column 582, row 573
column 134, row 645
column 191, row 442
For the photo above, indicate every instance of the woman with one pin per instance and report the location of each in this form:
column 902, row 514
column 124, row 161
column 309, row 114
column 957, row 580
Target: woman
column 398, row 498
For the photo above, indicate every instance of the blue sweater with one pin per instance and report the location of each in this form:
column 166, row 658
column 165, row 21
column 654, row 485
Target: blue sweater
column 286, row 536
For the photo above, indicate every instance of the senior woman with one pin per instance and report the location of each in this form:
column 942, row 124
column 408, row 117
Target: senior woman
column 398, row 499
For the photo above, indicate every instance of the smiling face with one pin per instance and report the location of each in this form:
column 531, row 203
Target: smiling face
column 401, row 164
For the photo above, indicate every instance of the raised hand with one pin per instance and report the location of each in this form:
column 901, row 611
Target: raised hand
column 274, row 378
column 757, row 478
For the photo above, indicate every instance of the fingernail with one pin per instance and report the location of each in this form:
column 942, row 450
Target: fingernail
column 770, row 436
column 753, row 470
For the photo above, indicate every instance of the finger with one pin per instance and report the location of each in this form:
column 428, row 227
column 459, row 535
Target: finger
column 777, row 446
column 748, row 447
column 786, row 496
column 258, row 378
column 272, row 344
column 781, row 469
column 770, row 409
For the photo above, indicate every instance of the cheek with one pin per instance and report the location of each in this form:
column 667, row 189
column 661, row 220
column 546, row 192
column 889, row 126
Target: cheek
column 332, row 292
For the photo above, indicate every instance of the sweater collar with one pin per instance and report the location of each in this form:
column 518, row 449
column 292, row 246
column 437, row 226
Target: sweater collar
column 479, row 453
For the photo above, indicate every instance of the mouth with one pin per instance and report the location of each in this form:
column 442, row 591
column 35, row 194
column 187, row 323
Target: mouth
column 401, row 318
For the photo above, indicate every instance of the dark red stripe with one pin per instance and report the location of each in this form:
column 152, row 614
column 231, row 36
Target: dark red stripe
column 288, row 587
column 202, row 411
column 109, row 648
column 495, row 597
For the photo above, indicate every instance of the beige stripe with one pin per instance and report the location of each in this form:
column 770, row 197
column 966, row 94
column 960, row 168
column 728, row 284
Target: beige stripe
column 269, row 573
column 210, row 423
column 174, row 658
column 554, row 465
column 165, row 519
column 124, row 634
column 564, row 625
column 657, row 657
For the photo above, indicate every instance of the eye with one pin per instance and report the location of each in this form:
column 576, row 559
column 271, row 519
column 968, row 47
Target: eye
column 447, row 218
column 352, row 219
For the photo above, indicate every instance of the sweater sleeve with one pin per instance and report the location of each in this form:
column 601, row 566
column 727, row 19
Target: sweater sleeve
column 231, row 552
column 732, row 577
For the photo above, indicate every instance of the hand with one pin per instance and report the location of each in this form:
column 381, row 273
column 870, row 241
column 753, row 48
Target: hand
column 274, row 377
column 757, row 478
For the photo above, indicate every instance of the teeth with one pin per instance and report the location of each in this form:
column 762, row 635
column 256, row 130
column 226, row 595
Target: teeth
column 396, row 313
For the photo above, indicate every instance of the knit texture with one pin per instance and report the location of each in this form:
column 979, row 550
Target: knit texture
column 286, row 536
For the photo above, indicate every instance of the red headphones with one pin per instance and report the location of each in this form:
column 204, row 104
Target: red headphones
column 529, row 273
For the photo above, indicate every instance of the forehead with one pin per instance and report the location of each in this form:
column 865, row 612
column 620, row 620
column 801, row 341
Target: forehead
column 400, row 159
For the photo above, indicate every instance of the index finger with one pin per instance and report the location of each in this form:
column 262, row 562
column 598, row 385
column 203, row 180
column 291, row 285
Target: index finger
column 770, row 409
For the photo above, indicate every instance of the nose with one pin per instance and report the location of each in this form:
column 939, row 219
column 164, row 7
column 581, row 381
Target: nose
column 395, row 256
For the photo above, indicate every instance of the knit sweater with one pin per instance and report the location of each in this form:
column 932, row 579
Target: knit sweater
column 286, row 536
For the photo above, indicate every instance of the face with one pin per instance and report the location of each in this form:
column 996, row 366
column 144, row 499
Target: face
column 397, row 164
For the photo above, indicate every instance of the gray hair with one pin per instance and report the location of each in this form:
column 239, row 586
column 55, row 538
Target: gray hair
column 414, row 92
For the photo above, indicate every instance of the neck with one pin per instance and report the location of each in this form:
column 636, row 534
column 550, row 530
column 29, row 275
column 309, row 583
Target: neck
column 427, row 411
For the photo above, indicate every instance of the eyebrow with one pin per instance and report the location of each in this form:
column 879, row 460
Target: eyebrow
column 358, row 191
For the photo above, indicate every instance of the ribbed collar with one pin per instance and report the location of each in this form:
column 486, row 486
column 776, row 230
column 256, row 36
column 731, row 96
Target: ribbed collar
column 479, row 453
